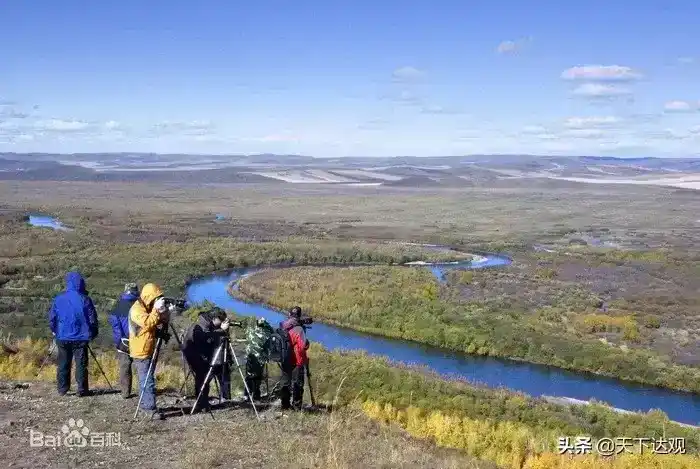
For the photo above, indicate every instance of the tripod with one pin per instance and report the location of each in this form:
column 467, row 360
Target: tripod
column 54, row 345
column 220, row 358
column 162, row 337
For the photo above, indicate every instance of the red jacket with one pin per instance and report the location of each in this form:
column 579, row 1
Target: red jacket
column 297, row 336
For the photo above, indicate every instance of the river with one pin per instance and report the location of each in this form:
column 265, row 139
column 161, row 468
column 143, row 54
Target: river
column 534, row 380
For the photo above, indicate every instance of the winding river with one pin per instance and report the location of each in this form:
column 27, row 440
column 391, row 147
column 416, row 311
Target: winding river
column 534, row 380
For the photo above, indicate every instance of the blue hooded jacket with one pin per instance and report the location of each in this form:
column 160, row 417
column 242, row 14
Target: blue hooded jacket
column 72, row 315
column 119, row 318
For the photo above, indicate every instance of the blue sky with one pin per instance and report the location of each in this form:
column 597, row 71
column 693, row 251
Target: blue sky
column 351, row 78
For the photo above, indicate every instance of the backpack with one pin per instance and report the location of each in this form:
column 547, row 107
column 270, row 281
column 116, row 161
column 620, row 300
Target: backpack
column 280, row 347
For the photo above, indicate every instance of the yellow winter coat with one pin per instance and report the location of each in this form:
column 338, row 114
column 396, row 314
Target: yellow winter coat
column 142, row 324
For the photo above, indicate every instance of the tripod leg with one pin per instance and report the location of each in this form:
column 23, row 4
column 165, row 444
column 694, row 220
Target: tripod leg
column 311, row 390
column 151, row 368
column 185, row 368
column 183, row 391
column 206, row 380
column 46, row 359
column 267, row 380
column 201, row 391
column 240, row 372
column 94, row 357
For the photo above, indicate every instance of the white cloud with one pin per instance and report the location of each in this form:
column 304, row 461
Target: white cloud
column 592, row 121
column 112, row 125
column 373, row 124
column 61, row 125
column 507, row 47
column 681, row 106
column 599, row 90
column 511, row 47
column 601, row 73
column 7, row 111
column 686, row 60
column 548, row 136
column 584, row 133
column 284, row 136
column 183, row 128
column 408, row 74
column 404, row 97
column 533, row 129
column 440, row 110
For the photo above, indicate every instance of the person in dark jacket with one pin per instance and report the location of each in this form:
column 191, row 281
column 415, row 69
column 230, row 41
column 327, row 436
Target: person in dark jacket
column 73, row 322
column 119, row 320
column 293, row 372
column 199, row 345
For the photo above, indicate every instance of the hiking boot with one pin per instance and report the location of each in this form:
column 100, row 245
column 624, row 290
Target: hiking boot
column 157, row 415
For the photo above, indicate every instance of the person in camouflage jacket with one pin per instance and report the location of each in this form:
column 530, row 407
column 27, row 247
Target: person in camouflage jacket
column 257, row 343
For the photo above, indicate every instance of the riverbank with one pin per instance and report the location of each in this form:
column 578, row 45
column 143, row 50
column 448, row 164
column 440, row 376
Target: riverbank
column 409, row 304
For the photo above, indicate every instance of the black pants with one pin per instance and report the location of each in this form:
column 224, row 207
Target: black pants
column 292, row 386
column 254, row 369
column 69, row 350
column 200, row 368
column 125, row 374
column 221, row 373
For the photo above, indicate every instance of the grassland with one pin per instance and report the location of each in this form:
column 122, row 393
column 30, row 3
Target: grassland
column 166, row 233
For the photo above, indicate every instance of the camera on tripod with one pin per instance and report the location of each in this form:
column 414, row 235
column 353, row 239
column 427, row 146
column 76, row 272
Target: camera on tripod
column 175, row 305
column 171, row 306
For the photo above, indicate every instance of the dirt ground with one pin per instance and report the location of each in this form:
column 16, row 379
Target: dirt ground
column 230, row 437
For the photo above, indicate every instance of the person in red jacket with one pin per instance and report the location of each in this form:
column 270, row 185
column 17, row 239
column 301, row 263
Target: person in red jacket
column 293, row 372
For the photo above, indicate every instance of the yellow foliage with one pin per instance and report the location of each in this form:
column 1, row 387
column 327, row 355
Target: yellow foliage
column 25, row 364
column 606, row 323
column 512, row 445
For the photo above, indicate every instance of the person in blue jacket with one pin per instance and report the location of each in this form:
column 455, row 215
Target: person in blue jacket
column 73, row 322
column 119, row 320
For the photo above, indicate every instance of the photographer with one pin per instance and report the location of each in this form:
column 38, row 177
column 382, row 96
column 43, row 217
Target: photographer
column 119, row 320
column 293, row 371
column 199, row 345
column 146, row 315
column 257, row 351
column 73, row 322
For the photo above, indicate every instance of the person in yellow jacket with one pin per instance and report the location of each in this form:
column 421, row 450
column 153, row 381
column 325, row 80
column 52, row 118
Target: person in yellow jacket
column 144, row 317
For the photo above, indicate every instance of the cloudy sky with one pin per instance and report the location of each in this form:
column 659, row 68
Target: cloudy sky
column 334, row 78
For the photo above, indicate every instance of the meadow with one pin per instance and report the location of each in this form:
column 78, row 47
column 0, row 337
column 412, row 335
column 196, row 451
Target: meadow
column 167, row 234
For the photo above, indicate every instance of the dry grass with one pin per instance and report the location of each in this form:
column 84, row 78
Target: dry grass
column 479, row 214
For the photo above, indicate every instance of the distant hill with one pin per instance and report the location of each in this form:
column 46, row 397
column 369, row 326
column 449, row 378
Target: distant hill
column 400, row 171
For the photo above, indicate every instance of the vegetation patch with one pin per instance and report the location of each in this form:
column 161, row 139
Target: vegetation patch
column 409, row 303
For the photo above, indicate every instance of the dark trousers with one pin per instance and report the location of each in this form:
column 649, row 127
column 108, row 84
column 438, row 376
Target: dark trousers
column 200, row 368
column 223, row 374
column 254, row 369
column 125, row 375
column 69, row 350
column 292, row 387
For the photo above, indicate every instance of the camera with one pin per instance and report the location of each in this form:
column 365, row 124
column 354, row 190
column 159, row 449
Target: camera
column 175, row 305
column 306, row 320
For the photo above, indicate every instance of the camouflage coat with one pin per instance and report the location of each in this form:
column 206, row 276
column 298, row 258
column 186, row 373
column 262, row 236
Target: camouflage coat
column 257, row 341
